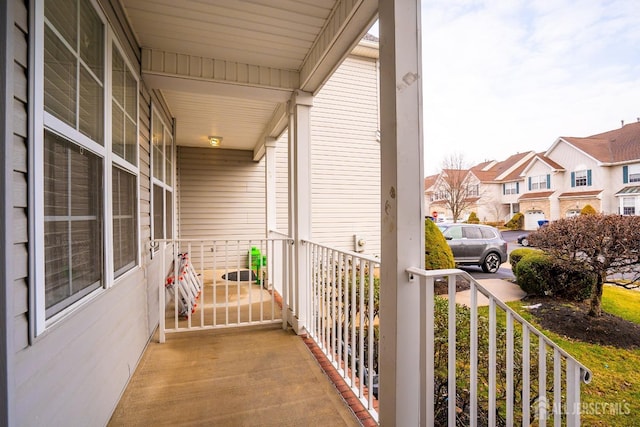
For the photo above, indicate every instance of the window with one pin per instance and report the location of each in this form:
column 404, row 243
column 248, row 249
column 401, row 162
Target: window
column 162, row 179
column 124, row 146
column 471, row 233
column 473, row 190
column 581, row 178
column 73, row 222
column 631, row 173
column 89, row 110
column 540, row 182
column 510, row 188
column 628, row 206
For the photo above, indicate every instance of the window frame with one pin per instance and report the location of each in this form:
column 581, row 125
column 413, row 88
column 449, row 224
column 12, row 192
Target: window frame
column 167, row 131
column 43, row 120
column 539, row 182
column 511, row 188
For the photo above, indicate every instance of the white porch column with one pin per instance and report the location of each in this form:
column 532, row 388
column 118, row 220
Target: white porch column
column 274, row 269
column 402, row 195
column 300, row 199
column 270, row 185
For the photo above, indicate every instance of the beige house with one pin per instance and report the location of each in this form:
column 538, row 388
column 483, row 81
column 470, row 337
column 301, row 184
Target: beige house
column 600, row 170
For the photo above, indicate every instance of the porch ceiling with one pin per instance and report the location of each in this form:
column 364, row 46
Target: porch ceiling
column 227, row 67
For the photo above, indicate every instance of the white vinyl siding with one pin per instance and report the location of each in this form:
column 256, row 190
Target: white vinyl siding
column 77, row 369
column 18, row 146
column 346, row 158
column 222, row 194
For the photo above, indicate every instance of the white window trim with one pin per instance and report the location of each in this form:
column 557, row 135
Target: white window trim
column 156, row 114
column 40, row 119
column 116, row 160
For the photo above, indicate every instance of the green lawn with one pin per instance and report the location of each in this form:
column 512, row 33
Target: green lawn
column 616, row 376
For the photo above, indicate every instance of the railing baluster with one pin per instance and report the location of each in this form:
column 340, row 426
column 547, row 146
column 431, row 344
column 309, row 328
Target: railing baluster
column 557, row 388
column 428, row 348
column 473, row 353
column 526, row 373
column 492, row 361
column 370, row 333
column 510, row 390
column 451, row 381
column 214, row 266
column 542, row 382
column 361, row 330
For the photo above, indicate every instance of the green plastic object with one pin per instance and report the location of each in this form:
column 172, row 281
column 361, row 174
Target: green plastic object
column 256, row 262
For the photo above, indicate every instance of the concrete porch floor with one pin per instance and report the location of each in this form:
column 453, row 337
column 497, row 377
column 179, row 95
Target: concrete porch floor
column 258, row 376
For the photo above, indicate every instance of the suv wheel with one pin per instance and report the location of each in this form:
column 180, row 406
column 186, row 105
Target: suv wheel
column 491, row 263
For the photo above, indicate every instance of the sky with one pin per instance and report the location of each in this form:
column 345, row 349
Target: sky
column 508, row 76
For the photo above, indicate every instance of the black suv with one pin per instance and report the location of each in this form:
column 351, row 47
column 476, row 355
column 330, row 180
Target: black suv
column 474, row 244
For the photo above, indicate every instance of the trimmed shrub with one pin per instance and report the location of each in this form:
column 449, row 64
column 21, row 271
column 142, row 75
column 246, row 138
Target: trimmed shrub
column 539, row 274
column 437, row 253
column 473, row 218
column 588, row 210
column 572, row 281
column 516, row 222
column 517, row 254
column 533, row 273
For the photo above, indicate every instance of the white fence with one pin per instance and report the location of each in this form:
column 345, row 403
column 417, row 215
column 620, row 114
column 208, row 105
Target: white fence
column 501, row 369
column 344, row 307
column 223, row 283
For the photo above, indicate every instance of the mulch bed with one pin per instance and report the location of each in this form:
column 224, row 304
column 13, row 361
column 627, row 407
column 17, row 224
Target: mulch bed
column 571, row 319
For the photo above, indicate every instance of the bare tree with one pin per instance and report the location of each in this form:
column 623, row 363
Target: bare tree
column 456, row 188
column 607, row 245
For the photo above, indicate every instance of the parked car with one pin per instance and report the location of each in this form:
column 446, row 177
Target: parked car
column 475, row 244
column 523, row 239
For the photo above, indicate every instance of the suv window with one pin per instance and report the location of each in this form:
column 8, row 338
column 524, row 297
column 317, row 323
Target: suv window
column 488, row 233
column 454, row 232
column 471, row 232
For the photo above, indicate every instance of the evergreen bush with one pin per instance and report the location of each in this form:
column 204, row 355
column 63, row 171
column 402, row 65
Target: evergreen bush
column 473, row 218
column 517, row 254
column 437, row 253
column 588, row 210
column 516, row 222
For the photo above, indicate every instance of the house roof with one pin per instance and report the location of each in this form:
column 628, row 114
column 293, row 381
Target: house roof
column 634, row 189
column 618, row 145
column 495, row 171
column 574, row 194
column 429, row 181
column 536, row 195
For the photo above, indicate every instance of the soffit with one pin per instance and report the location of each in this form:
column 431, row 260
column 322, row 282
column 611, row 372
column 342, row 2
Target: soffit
column 230, row 65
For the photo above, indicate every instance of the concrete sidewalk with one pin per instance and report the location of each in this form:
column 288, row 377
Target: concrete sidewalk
column 504, row 290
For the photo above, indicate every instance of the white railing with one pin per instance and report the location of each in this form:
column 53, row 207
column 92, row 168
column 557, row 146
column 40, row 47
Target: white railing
column 343, row 315
column 500, row 369
column 209, row 284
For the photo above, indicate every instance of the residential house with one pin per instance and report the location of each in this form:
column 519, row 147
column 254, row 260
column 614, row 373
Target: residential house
column 110, row 112
column 491, row 189
column 598, row 170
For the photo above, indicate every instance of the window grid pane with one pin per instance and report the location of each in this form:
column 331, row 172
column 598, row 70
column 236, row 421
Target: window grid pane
column 124, row 221
column 73, row 222
column 60, row 75
column 158, row 212
column 91, row 106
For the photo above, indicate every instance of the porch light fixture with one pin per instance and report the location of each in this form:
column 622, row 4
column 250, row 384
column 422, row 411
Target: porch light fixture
column 215, row 141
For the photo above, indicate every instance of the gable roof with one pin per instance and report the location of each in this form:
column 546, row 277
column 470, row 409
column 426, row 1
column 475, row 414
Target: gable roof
column 542, row 157
column 497, row 171
column 429, row 181
column 614, row 146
